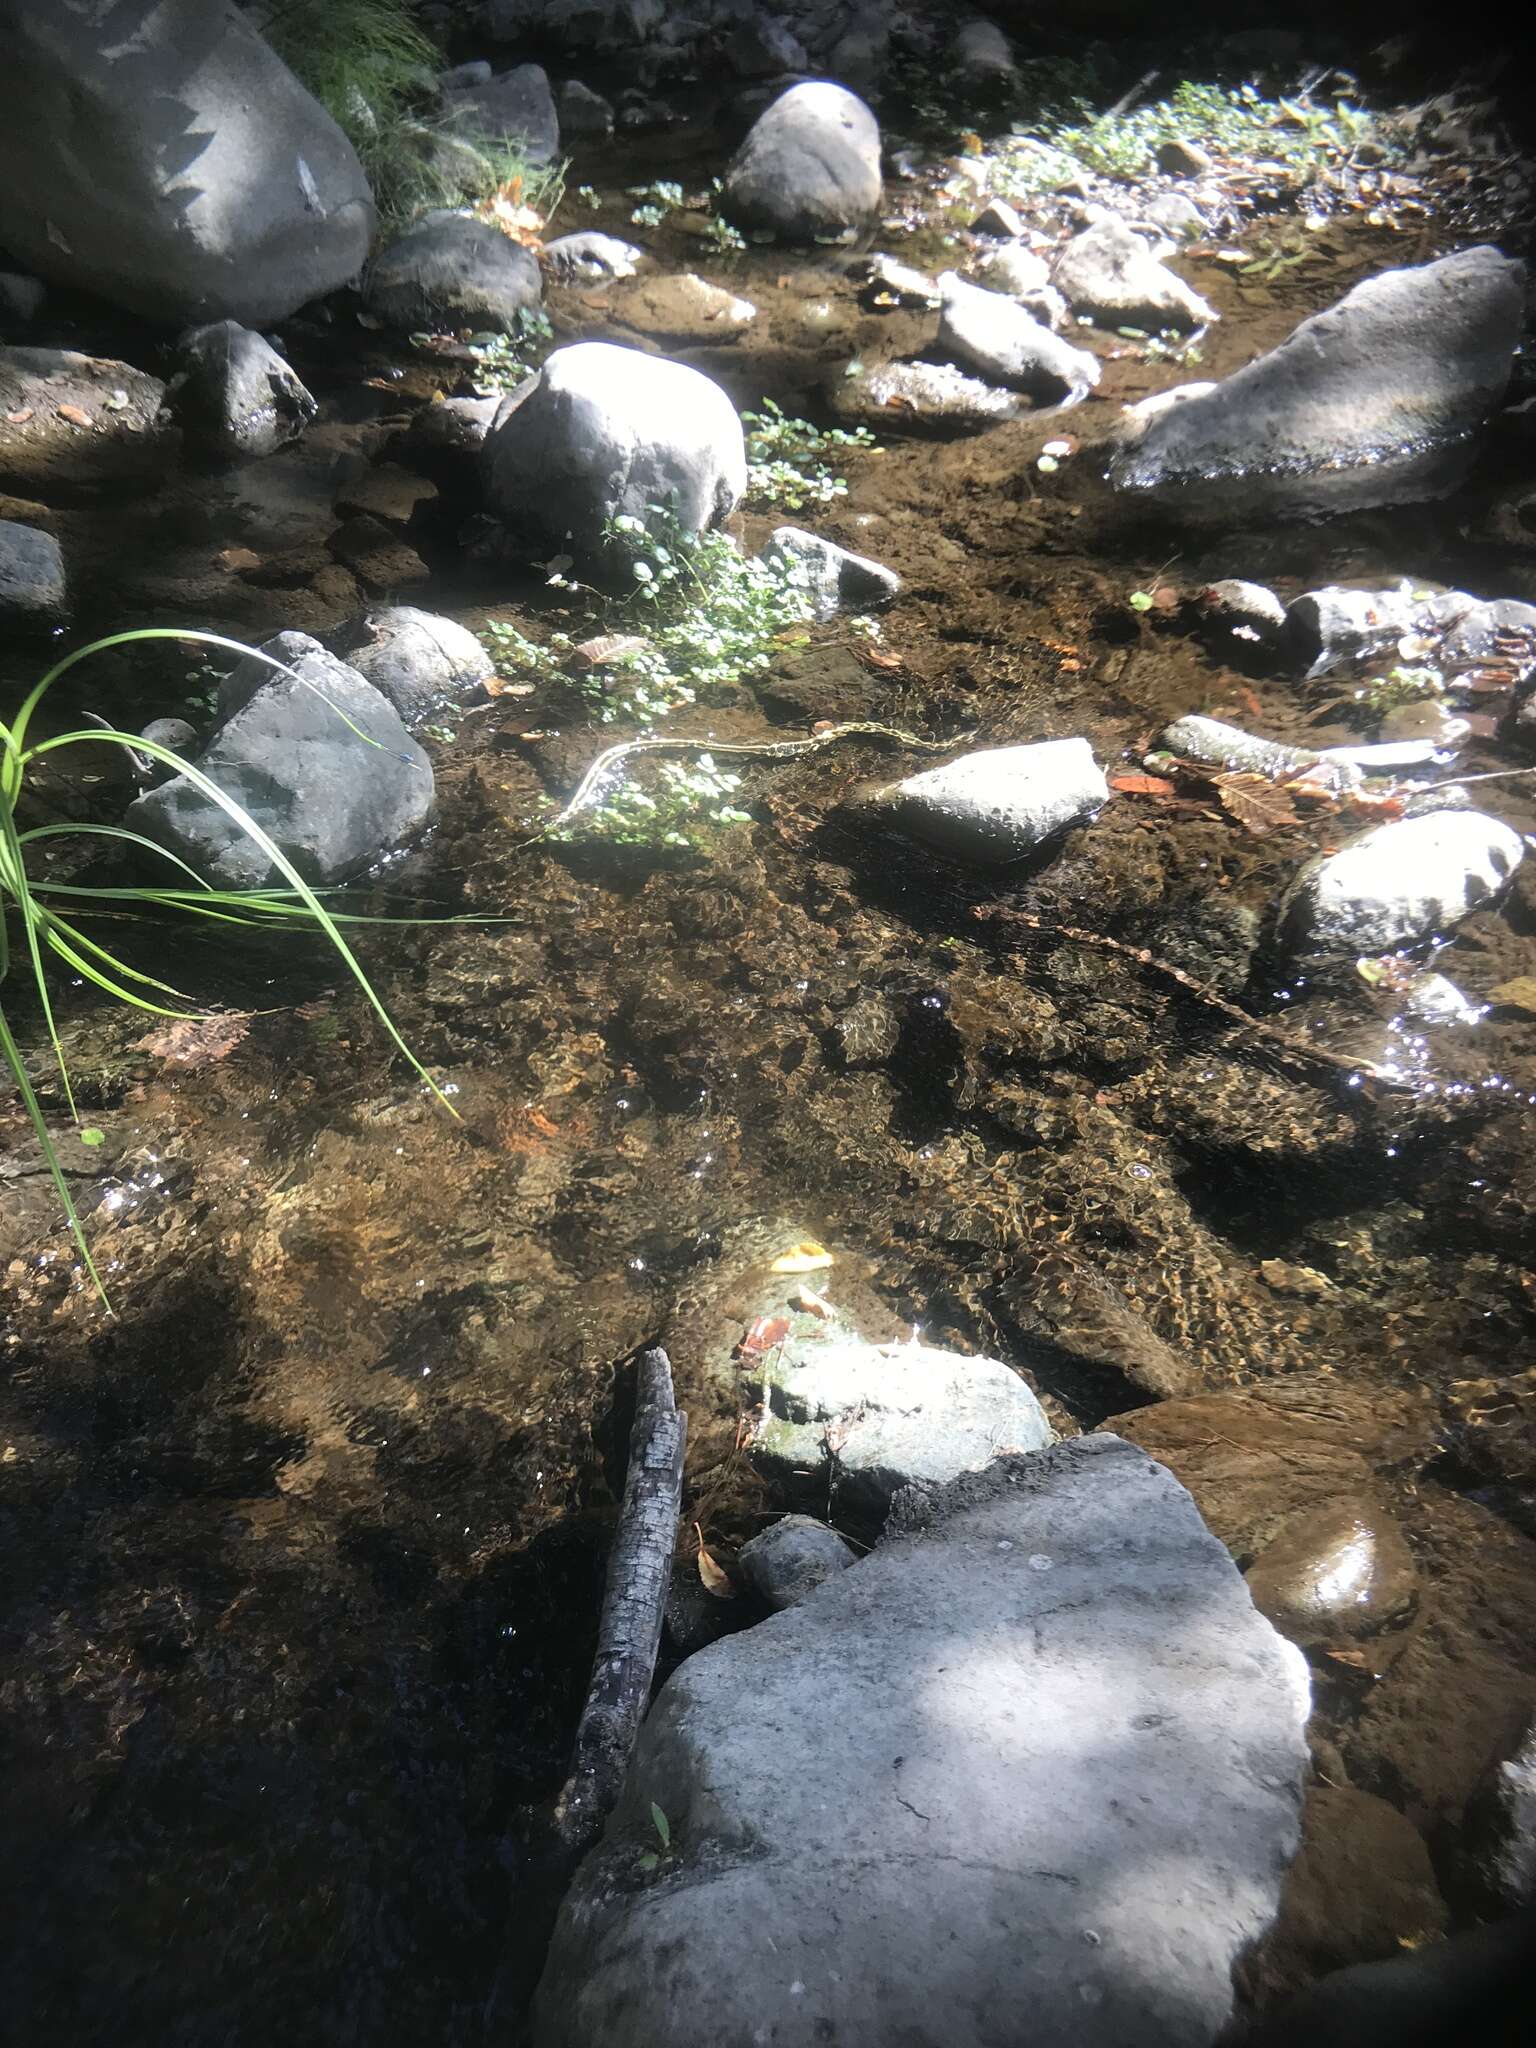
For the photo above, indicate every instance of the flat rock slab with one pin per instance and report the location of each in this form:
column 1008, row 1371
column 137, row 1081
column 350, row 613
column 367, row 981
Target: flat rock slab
column 1030, row 1772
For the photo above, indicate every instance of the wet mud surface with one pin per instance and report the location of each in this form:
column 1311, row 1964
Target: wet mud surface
column 304, row 1545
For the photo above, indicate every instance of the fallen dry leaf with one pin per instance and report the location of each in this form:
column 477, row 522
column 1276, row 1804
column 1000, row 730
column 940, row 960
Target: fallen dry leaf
column 76, row 416
column 231, row 560
column 715, row 1580
column 764, row 1335
column 1255, row 802
column 1516, row 994
column 1143, row 785
column 876, row 659
column 806, row 1257
column 188, row 1043
column 610, row 647
column 19, row 419
column 813, row 1303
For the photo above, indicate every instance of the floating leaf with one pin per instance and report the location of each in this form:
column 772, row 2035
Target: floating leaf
column 1046, row 464
column 764, row 1335
column 806, row 1257
column 230, row 560
column 89, row 1135
column 1518, row 994
column 1140, row 600
column 662, row 1824
column 610, row 647
column 1255, row 802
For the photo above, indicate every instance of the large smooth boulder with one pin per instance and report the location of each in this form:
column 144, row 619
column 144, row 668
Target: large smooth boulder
column 810, row 167
column 451, row 270
column 1372, row 402
column 604, row 431
column 515, row 110
column 1399, row 883
column 233, row 395
column 993, row 335
column 318, row 759
column 1032, row 1771
column 32, row 589
column 157, row 153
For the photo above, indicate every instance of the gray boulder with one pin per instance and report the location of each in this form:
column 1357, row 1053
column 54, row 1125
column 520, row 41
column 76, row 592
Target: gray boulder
column 1399, row 883
column 315, row 755
column 233, row 395
column 1372, row 402
column 763, row 46
column 443, row 441
column 809, row 169
column 164, row 158
column 1499, row 1837
column 1111, row 274
column 1031, row 1771
column 1017, row 270
column 514, row 110
column 848, row 1422
column 32, row 589
column 991, row 334
column 836, row 579
column 604, row 431
column 791, row 1559
column 981, row 55
column 421, row 663
column 583, row 111
column 452, row 270
column 1335, row 624
column 1001, row 803
column 591, row 258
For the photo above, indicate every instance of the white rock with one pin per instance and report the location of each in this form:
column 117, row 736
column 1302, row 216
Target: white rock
column 988, row 333
column 837, row 579
column 1016, row 270
column 1000, row 804
column 602, row 431
column 1111, row 274
column 1399, row 883
column 590, row 258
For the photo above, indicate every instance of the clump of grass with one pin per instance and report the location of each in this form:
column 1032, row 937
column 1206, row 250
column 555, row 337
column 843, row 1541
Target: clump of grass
column 372, row 67
column 696, row 614
column 48, row 913
column 786, row 462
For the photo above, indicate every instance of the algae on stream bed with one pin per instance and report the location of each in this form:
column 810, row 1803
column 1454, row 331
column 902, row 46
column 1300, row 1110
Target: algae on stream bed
column 305, row 1546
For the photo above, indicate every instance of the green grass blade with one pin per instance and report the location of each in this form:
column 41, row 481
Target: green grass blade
column 31, row 918
column 75, row 938
column 23, row 1080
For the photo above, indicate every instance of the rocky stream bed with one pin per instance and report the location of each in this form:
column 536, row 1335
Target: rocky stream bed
column 305, row 1540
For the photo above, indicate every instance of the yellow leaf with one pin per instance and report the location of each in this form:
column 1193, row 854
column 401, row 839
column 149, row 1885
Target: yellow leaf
column 806, row 1257
column 715, row 1580
column 1519, row 994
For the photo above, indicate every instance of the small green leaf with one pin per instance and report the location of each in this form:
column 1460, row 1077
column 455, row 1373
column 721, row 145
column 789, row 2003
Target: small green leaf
column 1140, row 601
column 663, row 1825
column 89, row 1135
column 650, row 1860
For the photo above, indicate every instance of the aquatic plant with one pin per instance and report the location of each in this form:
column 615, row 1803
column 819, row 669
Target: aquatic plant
column 503, row 361
column 657, row 200
column 695, row 613
column 48, row 911
column 786, row 458
column 689, row 802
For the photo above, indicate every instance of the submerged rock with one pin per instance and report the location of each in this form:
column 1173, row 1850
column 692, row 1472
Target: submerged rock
column 1017, row 270
column 1330, row 626
column 602, row 431
column 1110, row 273
column 1335, row 1573
column 837, row 579
column 233, row 395
column 32, row 587
column 1037, row 1756
column 887, row 285
column 74, row 426
column 1000, row 804
column 792, row 1558
column 318, row 759
column 591, row 258
column 851, row 1422
column 810, row 168
column 163, row 157
column 417, row 660
column 1372, row 402
column 991, row 334
column 931, row 397
column 1399, row 883
column 682, row 309
column 450, row 270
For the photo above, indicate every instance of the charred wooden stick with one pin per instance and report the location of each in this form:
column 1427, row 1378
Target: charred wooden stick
column 629, row 1631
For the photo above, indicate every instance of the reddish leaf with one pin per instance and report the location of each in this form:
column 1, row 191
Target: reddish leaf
column 766, row 1333
column 19, row 419
column 1143, row 785
column 187, row 1043
column 1255, row 802
column 715, row 1579
column 75, row 416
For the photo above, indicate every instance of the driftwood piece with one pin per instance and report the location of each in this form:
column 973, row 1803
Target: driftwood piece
column 629, row 1631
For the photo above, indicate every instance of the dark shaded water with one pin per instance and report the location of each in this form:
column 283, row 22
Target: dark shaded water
column 304, row 1546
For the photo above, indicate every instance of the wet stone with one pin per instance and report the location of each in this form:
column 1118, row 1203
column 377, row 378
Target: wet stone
column 1399, row 883
column 887, row 286
column 682, row 309
column 791, row 1559
column 934, row 397
column 32, row 587
column 1334, row 1574
column 836, row 579
column 1000, row 804
column 591, row 258
column 1498, row 1849
column 1111, row 273
column 994, row 336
